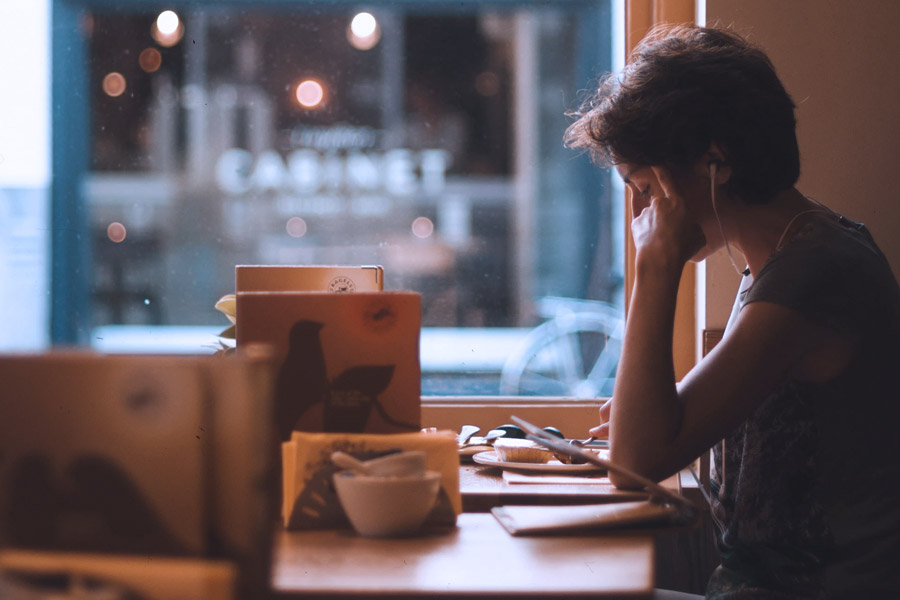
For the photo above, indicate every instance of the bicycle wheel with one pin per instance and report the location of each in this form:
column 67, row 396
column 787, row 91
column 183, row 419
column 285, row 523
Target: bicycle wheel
column 573, row 354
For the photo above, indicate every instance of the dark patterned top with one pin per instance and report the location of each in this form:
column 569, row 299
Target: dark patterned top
column 809, row 493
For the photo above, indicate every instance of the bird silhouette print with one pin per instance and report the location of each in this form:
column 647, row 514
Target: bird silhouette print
column 346, row 401
column 91, row 505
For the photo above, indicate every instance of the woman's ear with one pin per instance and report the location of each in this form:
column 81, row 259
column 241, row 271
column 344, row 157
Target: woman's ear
column 713, row 165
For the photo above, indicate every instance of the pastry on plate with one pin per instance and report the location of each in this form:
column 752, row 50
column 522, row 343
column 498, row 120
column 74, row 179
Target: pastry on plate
column 521, row 451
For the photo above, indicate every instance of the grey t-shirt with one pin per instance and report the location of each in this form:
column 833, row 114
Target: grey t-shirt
column 810, row 501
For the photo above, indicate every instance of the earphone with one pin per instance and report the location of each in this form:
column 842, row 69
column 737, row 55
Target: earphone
column 713, row 169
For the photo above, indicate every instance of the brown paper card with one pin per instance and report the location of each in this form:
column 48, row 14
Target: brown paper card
column 345, row 362
column 308, row 278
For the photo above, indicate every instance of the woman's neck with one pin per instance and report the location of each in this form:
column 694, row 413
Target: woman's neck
column 757, row 229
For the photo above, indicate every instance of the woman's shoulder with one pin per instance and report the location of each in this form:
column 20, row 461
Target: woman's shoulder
column 831, row 269
column 828, row 246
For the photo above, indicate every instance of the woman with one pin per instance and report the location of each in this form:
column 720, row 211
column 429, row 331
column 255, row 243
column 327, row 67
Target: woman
column 804, row 387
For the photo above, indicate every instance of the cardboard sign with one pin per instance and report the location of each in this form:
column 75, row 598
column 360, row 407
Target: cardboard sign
column 308, row 278
column 102, row 455
column 171, row 457
column 345, row 362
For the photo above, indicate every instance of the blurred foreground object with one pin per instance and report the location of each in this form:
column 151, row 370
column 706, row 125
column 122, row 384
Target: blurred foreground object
column 109, row 460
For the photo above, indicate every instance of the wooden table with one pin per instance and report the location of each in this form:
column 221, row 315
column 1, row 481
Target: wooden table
column 477, row 559
column 685, row 557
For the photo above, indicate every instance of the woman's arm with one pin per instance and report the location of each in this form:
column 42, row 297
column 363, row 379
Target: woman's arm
column 657, row 427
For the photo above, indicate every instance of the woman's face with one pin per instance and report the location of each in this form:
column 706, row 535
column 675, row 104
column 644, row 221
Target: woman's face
column 691, row 185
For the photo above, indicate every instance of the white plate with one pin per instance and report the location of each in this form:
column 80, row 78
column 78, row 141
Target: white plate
column 472, row 450
column 554, row 466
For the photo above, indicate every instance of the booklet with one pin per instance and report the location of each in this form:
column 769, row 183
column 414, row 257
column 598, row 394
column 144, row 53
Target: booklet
column 664, row 505
column 534, row 520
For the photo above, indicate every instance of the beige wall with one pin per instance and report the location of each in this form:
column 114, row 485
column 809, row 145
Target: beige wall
column 840, row 60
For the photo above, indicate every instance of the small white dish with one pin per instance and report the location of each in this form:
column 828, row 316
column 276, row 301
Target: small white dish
column 554, row 466
column 387, row 506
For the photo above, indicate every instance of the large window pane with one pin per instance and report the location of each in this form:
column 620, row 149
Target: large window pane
column 425, row 141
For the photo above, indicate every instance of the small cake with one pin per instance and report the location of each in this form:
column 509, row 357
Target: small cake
column 523, row 451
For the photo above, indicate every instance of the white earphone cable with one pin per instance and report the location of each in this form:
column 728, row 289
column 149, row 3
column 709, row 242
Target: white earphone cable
column 712, row 193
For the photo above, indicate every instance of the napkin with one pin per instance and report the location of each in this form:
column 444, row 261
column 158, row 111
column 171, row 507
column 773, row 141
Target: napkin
column 309, row 500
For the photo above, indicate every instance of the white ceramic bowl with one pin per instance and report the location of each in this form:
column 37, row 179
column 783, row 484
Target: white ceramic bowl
column 387, row 506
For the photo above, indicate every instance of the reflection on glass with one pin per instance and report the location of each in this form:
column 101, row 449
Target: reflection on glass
column 269, row 139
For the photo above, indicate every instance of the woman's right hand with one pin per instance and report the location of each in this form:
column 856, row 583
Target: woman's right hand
column 601, row 431
column 664, row 230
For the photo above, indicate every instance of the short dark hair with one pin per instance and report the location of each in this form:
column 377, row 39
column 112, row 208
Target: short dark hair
column 684, row 88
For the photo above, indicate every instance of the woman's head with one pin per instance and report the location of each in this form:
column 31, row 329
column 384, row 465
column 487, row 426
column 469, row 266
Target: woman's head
column 687, row 89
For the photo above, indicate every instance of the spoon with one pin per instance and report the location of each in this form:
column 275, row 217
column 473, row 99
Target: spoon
column 582, row 443
column 465, row 433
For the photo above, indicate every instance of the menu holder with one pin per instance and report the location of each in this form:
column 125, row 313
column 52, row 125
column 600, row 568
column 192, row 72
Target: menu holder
column 664, row 505
column 346, row 363
column 309, row 497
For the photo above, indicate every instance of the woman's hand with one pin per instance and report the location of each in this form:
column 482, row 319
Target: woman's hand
column 601, row 431
column 664, row 232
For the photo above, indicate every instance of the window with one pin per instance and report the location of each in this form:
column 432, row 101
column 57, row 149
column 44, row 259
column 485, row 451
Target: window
column 425, row 137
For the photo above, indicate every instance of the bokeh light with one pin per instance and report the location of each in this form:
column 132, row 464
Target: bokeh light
column 168, row 29
column 116, row 232
column 114, row 84
column 363, row 32
column 296, row 227
column 167, row 22
column 363, row 25
column 422, row 227
column 310, row 93
column 150, row 60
